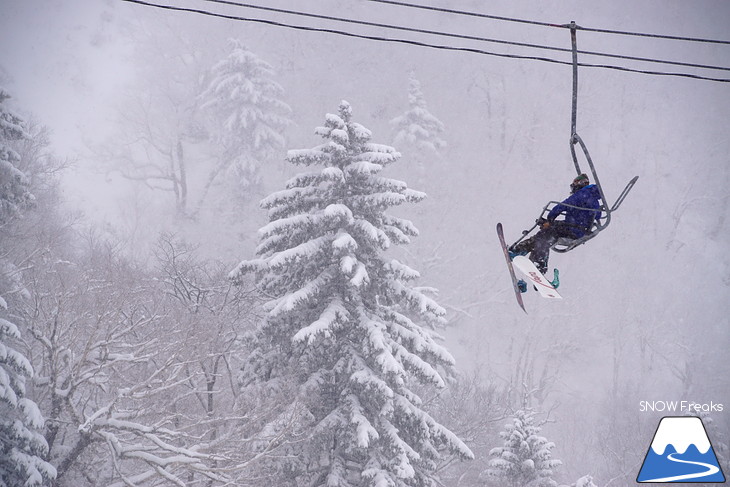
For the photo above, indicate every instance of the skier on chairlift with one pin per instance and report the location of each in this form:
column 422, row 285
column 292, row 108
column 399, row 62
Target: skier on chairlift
column 581, row 209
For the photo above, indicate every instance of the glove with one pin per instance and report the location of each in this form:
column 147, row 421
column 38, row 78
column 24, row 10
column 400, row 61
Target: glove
column 543, row 223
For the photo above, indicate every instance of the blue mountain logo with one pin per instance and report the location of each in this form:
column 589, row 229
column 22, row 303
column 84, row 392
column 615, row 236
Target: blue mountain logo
column 681, row 452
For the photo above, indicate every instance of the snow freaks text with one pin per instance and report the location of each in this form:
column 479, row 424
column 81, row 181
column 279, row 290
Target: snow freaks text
column 679, row 406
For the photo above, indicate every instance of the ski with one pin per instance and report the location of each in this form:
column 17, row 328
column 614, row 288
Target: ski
column 542, row 284
column 518, row 294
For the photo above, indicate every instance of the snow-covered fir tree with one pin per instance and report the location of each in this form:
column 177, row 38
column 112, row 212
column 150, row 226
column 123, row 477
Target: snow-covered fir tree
column 525, row 459
column 346, row 330
column 14, row 194
column 22, row 446
column 585, row 481
column 246, row 114
column 417, row 126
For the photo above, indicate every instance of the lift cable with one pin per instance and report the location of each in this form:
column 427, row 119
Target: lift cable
column 462, row 36
column 424, row 44
column 547, row 24
column 469, row 14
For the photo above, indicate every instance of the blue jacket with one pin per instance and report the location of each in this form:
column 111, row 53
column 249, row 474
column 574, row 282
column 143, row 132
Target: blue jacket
column 579, row 220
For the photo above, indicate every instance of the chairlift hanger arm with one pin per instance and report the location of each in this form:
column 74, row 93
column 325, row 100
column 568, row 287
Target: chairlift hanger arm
column 575, row 139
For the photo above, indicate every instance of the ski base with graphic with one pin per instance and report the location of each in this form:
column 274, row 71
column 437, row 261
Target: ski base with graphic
column 518, row 294
column 543, row 285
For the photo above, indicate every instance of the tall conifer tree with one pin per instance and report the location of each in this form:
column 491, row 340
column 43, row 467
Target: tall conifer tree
column 14, row 194
column 346, row 330
column 22, row 446
column 418, row 126
column 247, row 115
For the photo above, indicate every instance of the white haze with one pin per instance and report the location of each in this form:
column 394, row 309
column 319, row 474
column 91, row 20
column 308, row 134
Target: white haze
column 645, row 308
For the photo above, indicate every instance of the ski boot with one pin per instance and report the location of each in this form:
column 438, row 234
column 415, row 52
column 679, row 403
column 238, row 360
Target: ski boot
column 556, row 278
column 514, row 253
column 522, row 286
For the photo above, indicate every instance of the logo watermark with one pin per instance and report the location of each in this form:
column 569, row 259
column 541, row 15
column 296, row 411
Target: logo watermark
column 680, row 451
column 682, row 407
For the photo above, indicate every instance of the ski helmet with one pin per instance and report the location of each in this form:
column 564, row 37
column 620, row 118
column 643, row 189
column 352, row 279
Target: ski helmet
column 581, row 181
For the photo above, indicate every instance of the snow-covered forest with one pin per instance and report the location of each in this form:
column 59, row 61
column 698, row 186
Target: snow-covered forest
column 236, row 253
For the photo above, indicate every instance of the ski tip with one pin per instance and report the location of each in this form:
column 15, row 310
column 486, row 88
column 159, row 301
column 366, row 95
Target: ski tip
column 521, row 303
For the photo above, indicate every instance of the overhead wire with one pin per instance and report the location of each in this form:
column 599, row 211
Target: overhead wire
column 470, row 14
column 460, row 36
column 425, row 44
column 386, row 26
column 547, row 24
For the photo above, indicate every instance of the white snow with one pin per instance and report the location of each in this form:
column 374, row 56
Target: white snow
column 339, row 135
column 334, row 312
column 8, row 329
column 334, row 120
column 372, row 233
column 364, row 430
column 347, row 264
column 364, row 167
column 306, row 250
column 302, row 295
column 361, row 276
column 338, row 210
column 344, row 241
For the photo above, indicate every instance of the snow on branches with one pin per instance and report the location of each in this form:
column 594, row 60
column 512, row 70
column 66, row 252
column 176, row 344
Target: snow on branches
column 345, row 327
column 22, row 446
column 14, row 194
column 525, row 459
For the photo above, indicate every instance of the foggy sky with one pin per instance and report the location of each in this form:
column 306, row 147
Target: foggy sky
column 661, row 271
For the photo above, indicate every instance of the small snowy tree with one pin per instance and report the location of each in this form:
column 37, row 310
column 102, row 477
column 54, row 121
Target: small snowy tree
column 247, row 116
column 585, row 481
column 345, row 330
column 417, row 126
column 525, row 459
column 22, row 446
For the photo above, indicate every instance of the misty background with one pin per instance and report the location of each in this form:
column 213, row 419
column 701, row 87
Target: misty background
column 645, row 309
